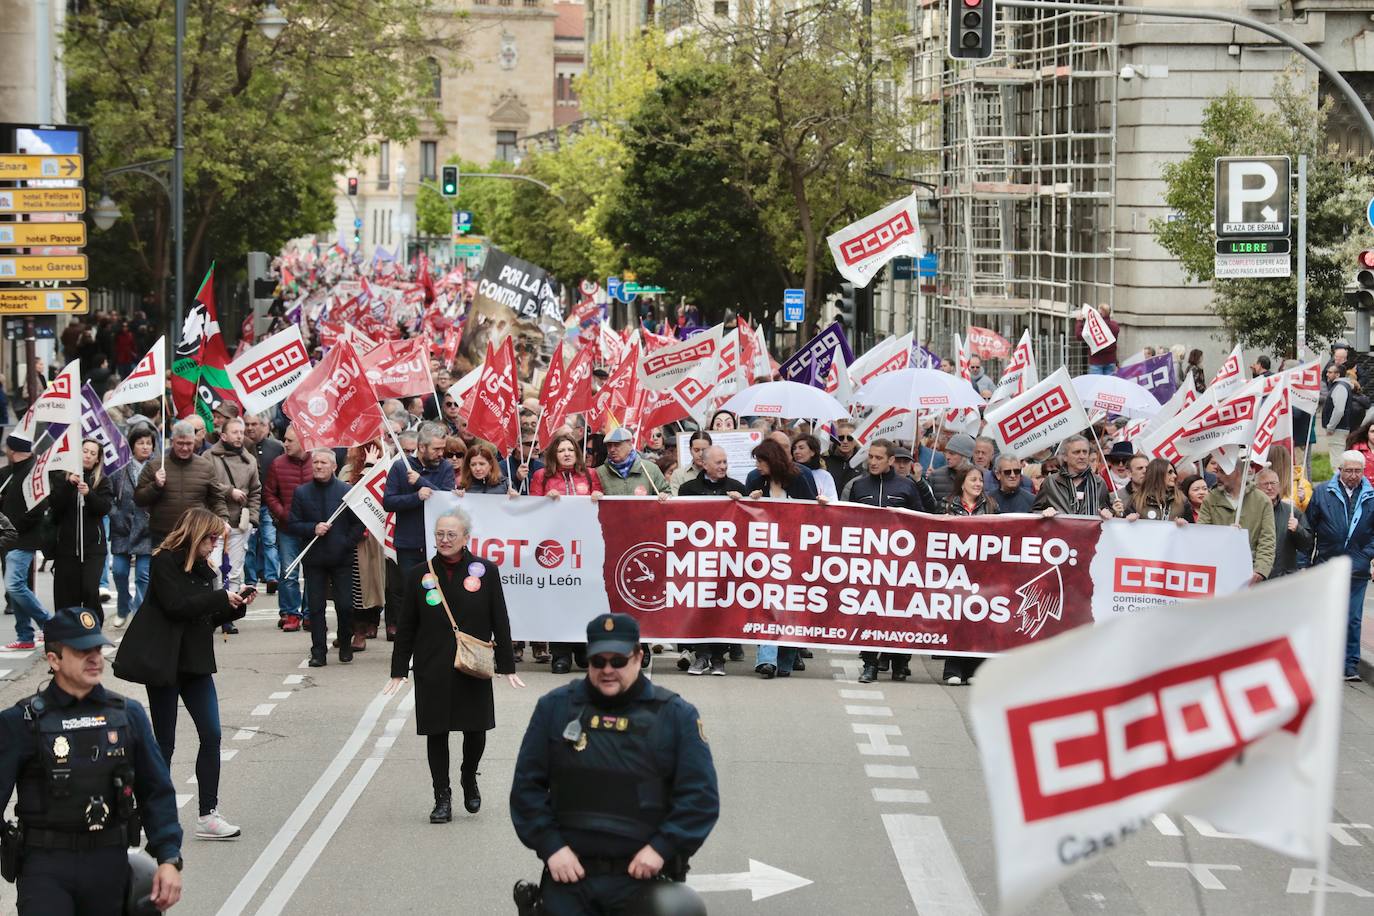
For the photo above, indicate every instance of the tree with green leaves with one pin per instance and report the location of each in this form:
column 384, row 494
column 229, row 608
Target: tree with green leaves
column 268, row 124
column 1261, row 312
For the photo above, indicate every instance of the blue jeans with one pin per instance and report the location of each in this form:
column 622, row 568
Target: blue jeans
column 28, row 610
column 1104, row 369
column 780, row 657
column 289, row 587
column 197, row 692
column 1352, row 629
column 260, row 563
column 140, row 564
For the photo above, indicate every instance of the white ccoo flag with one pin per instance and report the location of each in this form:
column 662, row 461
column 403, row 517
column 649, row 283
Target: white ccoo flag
column 862, row 248
column 1097, row 334
column 1040, row 418
column 1020, row 373
column 1227, row 709
column 268, row 372
column 147, row 381
column 60, row 402
column 365, row 499
column 62, row 455
column 1231, row 375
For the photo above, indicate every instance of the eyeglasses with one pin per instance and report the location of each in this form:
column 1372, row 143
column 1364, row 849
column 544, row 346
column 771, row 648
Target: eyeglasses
column 1010, row 473
column 615, row 661
column 447, row 536
column 844, row 438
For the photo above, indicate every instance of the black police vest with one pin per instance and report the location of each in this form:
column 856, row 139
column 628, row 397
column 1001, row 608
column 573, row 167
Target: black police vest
column 81, row 780
column 614, row 784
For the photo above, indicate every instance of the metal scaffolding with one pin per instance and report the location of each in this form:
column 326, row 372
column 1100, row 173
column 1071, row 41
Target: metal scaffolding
column 1022, row 149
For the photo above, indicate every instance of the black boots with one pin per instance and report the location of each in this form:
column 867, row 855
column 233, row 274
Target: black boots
column 472, row 798
column 443, row 807
column 869, row 674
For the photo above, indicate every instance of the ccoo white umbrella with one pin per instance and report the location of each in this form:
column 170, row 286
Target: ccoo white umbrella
column 788, row 400
column 925, row 390
column 1113, row 395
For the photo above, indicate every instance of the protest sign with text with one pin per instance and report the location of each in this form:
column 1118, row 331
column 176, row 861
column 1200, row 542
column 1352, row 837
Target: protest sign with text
column 266, row 373
column 840, row 576
column 738, row 444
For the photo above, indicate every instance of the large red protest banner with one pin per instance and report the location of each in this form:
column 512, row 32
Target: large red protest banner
column 837, row 575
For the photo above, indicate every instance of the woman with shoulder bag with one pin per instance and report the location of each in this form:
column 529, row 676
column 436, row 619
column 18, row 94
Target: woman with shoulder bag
column 170, row 648
column 78, row 505
column 453, row 602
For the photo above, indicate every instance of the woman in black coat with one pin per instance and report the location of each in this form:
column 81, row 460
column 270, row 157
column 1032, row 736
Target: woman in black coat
column 447, row 700
column 81, row 545
column 170, row 648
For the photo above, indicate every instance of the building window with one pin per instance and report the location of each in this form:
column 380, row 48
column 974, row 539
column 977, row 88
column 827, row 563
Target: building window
column 505, row 145
column 722, row 7
column 429, row 160
column 436, row 73
column 531, row 2
column 383, row 165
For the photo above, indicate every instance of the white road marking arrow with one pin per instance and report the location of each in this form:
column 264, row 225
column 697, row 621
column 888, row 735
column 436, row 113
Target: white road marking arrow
column 760, row 881
column 1270, row 214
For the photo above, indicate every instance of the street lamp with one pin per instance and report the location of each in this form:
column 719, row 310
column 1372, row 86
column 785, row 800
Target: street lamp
column 106, row 213
column 271, row 22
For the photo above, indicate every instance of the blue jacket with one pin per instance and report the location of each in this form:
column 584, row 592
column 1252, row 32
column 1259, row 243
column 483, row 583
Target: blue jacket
column 314, row 502
column 1341, row 531
column 402, row 498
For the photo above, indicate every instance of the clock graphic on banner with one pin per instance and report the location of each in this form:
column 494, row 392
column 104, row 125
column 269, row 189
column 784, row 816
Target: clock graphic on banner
column 640, row 577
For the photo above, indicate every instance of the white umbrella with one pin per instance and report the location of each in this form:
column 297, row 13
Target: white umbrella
column 919, row 389
column 787, row 400
column 1113, row 395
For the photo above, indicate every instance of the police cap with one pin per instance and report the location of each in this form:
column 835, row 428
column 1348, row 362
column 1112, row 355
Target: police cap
column 77, row 627
column 615, row 634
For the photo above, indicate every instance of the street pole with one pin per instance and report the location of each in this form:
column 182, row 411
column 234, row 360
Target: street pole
column 1302, row 257
column 178, row 184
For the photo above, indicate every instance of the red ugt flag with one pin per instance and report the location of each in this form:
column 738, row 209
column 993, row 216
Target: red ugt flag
column 496, row 404
column 335, row 405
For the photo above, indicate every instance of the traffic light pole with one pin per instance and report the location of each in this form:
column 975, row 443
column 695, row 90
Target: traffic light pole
column 1301, row 338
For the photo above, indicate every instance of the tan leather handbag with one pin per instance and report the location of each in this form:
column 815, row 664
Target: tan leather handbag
column 473, row 657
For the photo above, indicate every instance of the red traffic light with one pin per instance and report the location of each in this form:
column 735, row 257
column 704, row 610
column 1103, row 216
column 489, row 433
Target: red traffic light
column 352, row 187
column 1366, row 258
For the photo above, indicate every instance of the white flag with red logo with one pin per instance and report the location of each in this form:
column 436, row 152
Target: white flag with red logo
column 963, row 356
column 389, row 541
column 146, row 381
column 687, row 369
column 764, row 364
column 885, row 423
column 364, row 344
column 727, row 379
column 1304, row 384
column 365, row 499
column 1227, row 709
column 1040, row 418
column 1210, row 423
column 610, row 348
column 862, row 248
column 399, row 368
column 1020, row 373
column 837, row 382
column 334, row 406
column 889, row 355
column 1097, row 334
column 1231, row 375
column 62, row 455
column 988, row 343
column 60, row 402
column 268, row 371
column 496, row 399
column 1275, row 424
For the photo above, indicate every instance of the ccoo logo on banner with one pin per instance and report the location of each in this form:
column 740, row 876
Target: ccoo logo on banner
column 1041, row 418
column 266, row 373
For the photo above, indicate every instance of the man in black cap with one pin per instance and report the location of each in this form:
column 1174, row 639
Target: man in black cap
column 614, row 786
column 88, row 771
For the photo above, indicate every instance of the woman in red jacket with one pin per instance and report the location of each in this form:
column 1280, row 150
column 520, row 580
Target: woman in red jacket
column 564, row 472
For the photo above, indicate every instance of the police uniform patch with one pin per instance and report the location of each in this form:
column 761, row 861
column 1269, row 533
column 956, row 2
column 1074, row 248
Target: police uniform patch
column 701, row 730
column 61, row 747
column 609, row 625
column 112, row 737
column 88, row 620
column 596, row 722
column 621, row 724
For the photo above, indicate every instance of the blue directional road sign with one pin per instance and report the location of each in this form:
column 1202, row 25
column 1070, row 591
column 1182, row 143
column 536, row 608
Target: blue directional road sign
column 613, row 287
column 928, row 264
column 794, row 305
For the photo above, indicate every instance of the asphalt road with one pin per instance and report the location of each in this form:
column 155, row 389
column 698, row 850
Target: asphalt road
column 838, row 798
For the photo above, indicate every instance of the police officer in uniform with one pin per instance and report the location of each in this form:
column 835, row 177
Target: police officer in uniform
column 88, row 772
column 614, row 786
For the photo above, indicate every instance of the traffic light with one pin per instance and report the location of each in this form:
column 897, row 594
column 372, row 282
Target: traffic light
column 448, row 185
column 1364, row 280
column 971, row 24
column 845, row 306
column 352, row 187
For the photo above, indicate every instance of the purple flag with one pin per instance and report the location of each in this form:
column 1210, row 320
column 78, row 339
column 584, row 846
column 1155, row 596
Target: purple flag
column 96, row 424
column 1155, row 375
column 811, row 364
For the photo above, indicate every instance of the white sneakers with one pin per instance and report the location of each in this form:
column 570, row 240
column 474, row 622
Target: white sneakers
column 213, row 826
column 954, row 680
column 118, row 622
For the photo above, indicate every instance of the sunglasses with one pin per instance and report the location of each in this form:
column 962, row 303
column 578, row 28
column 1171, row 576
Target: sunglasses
column 844, row 438
column 1009, row 473
column 615, row 661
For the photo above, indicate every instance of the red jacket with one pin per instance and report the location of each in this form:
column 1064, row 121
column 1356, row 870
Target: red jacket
column 1368, row 460
column 283, row 476
column 566, row 483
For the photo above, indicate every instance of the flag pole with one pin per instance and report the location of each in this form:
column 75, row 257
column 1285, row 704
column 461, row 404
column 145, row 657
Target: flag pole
column 301, row 555
column 1116, row 491
column 163, row 424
